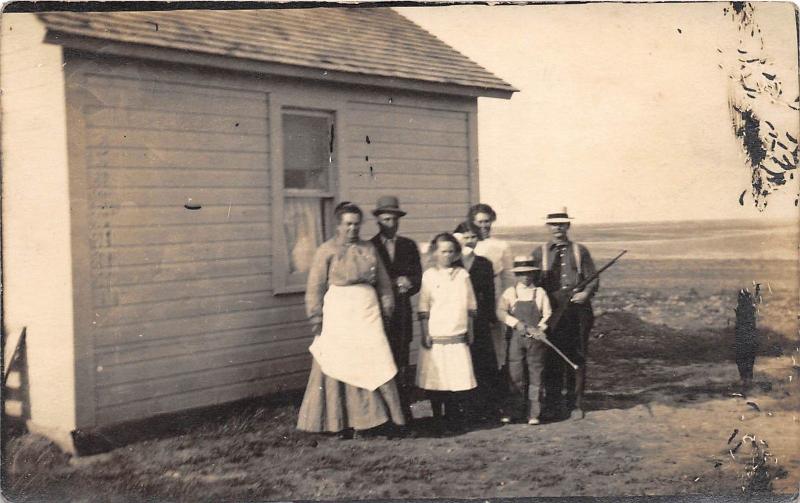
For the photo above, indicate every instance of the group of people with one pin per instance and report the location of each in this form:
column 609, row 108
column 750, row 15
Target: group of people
column 486, row 342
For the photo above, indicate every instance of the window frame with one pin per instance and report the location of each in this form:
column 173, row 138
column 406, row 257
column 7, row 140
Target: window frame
column 284, row 281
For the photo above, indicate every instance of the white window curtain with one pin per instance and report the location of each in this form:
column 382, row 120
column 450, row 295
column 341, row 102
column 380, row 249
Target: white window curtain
column 302, row 221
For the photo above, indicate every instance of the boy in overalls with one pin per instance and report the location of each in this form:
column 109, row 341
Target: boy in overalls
column 525, row 310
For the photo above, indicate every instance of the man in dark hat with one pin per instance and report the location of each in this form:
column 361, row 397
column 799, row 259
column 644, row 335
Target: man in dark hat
column 564, row 264
column 401, row 258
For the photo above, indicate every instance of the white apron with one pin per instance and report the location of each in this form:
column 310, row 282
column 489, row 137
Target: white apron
column 352, row 347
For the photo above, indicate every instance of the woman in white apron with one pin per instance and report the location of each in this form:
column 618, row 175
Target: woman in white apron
column 351, row 385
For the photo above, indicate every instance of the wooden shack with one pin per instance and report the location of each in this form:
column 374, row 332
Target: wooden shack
column 167, row 175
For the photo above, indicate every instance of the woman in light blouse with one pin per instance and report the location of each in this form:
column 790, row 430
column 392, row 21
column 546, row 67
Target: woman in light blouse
column 348, row 296
column 481, row 217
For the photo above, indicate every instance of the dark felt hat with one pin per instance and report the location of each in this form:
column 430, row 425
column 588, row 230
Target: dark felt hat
column 388, row 204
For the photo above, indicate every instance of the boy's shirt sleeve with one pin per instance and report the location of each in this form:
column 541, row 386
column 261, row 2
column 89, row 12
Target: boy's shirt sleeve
column 544, row 307
column 504, row 306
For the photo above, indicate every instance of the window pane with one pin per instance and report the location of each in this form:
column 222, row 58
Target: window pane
column 306, row 152
column 302, row 221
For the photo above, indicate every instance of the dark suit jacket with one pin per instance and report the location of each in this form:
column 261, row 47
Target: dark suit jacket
column 481, row 273
column 406, row 263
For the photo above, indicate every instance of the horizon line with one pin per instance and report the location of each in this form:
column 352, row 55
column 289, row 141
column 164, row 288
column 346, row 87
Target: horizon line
column 771, row 220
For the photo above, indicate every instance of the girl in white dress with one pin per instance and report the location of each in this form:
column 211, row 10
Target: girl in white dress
column 446, row 308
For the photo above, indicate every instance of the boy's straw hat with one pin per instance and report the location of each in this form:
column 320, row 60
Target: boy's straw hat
column 525, row 263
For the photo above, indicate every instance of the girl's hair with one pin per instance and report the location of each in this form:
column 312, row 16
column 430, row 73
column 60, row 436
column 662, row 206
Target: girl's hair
column 481, row 208
column 444, row 236
column 347, row 207
column 465, row 227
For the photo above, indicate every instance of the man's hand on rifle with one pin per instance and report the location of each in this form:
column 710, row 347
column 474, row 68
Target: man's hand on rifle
column 580, row 297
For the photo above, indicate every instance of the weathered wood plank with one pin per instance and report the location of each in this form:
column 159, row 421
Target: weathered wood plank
column 169, row 121
column 116, row 196
column 181, row 271
column 198, row 343
column 414, row 196
column 125, row 315
column 104, row 236
column 386, row 116
column 181, row 252
column 112, row 93
column 146, row 331
column 291, row 379
column 200, row 361
column 185, row 383
column 185, row 158
column 155, row 178
column 126, row 216
column 380, row 151
column 133, row 138
column 406, row 136
column 392, row 181
column 182, row 289
column 361, row 164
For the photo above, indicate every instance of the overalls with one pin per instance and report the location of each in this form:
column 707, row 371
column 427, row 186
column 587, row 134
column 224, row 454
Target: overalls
column 525, row 363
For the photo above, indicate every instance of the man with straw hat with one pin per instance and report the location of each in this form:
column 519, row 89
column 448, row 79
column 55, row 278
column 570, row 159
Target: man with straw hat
column 564, row 264
column 401, row 258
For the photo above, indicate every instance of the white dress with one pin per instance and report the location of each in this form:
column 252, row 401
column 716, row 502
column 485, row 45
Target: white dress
column 447, row 296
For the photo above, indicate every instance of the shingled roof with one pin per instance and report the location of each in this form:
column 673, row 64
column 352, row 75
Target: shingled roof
column 358, row 41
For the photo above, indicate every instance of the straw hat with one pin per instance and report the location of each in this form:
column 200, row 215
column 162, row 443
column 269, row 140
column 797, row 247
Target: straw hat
column 560, row 217
column 525, row 263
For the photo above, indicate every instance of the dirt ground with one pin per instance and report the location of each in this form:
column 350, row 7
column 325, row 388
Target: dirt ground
column 665, row 416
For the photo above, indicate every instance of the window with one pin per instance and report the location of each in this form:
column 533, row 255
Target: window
column 308, row 187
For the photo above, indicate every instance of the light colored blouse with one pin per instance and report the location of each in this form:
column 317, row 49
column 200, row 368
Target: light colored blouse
column 341, row 263
column 447, row 296
column 499, row 253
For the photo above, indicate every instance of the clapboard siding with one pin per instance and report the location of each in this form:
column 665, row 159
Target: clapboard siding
column 154, row 234
column 183, row 299
column 167, row 121
column 180, row 252
column 172, row 275
column 361, row 164
column 434, row 179
column 286, row 376
column 157, row 178
column 114, row 375
column 177, row 157
column 198, row 380
column 270, row 318
column 149, row 351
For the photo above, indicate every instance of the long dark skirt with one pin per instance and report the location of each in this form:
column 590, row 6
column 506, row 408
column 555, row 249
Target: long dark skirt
column 330, row 405
column 490, row 391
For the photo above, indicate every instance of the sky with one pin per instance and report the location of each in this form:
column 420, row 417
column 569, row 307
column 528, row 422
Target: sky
column 623, row 111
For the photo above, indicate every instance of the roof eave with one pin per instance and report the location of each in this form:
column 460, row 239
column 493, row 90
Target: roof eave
column 229, row 62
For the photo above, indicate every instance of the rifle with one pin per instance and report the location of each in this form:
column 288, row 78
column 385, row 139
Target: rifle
column 545, row 340
column 563, row 296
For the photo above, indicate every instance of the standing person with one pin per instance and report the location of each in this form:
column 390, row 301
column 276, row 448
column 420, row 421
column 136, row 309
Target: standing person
column 481, row 217
column 525, row 309
column 446, row 308
column 484, row 359
column 564, row 264
column 401, row 259
column 351, row 386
